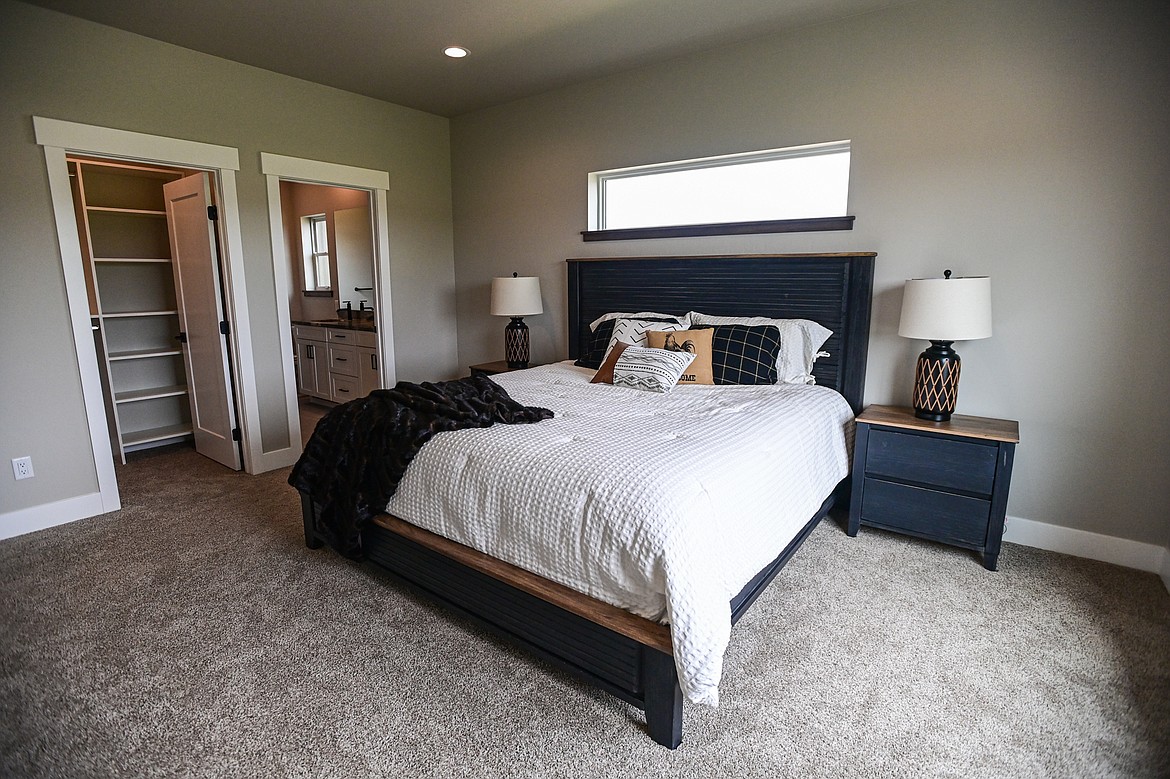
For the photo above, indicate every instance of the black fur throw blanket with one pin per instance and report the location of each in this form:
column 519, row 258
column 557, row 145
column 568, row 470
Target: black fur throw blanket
column 360, row 450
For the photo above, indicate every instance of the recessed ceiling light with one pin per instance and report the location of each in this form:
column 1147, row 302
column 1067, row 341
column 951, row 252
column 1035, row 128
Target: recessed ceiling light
column 456, row 51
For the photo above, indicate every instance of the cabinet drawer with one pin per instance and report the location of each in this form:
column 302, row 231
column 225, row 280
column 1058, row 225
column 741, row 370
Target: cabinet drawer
column 343, row 360
column 366, row 338
column 343, row 388
column 338, row 335
column 306, row 333
column 941, row 516
column 939, row 462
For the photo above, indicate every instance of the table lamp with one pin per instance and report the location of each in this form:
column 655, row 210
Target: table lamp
column 516, row 297
column 943, row 311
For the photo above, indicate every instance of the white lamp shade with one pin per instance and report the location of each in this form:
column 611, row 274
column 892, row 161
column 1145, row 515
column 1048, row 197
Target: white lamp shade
column 954, row 309
column 516, row 296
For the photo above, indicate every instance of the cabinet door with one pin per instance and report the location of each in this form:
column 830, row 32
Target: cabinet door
column 369, row 375
column 322, row 387
column 306, row 371
column 195, row 256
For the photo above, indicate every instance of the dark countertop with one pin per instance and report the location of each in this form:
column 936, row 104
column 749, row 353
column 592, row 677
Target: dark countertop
column 340, row 324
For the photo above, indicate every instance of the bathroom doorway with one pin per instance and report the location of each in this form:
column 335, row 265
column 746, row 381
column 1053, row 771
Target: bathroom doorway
column 329, row 235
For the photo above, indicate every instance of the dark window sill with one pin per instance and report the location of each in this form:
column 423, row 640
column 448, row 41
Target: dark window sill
column 723, row 228
column 317, row 293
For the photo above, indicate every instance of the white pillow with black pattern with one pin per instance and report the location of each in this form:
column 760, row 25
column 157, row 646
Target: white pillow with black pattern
column 633, row 331
column 651, row 370
column 800, row 342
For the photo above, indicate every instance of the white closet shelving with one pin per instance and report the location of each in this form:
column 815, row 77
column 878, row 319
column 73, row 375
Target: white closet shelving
column 122, row 223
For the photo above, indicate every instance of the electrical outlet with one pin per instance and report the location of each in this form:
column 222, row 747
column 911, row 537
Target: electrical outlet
column 22, row 467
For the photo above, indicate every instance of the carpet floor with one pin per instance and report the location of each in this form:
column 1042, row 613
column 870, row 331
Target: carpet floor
column 193, row 634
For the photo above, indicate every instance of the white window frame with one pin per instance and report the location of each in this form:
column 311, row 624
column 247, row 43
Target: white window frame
column 598, row 180
column 316, row 257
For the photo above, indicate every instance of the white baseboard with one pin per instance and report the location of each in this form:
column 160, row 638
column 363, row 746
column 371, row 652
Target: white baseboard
column 1094, row 546
column 60, row 512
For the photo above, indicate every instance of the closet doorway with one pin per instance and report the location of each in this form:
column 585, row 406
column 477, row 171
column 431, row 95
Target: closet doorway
column 150, row 246
column 60, row 140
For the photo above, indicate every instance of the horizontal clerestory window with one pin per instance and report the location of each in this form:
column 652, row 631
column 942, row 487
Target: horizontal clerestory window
column 796, row 189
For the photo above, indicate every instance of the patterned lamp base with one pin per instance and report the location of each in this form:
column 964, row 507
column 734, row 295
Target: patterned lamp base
column 936, row 382
column 516, row 343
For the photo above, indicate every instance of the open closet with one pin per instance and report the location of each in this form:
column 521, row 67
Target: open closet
column 150, row 249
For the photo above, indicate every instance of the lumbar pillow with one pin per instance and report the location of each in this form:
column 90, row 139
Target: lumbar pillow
column 653, row 370
column 696, row 342
column 745, row 354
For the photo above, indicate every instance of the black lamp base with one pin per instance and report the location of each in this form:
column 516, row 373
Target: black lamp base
column 936, row 382
column 516, row 343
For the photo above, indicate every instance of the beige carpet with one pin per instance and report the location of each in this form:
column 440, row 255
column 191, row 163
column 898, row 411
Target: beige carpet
column 193, row 634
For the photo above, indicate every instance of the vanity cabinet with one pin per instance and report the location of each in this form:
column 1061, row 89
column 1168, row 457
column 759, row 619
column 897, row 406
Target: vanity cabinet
column 336, row 364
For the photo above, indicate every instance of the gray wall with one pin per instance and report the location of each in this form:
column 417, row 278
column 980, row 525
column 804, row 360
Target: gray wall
column 65, row 68
column 1021, row 140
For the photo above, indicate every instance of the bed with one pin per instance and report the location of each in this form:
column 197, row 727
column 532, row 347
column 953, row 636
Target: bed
column 630, row 655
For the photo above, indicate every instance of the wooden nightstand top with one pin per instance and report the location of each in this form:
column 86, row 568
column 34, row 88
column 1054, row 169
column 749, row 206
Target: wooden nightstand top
column 1006, row 430
column 492, row 368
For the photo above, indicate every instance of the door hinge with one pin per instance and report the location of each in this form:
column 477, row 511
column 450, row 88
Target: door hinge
column 225, row 328
column 181, row 338
column 236, row 434
column 213, row 213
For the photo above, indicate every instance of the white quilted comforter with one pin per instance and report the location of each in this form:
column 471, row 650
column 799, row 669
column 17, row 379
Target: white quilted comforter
column 664, row 505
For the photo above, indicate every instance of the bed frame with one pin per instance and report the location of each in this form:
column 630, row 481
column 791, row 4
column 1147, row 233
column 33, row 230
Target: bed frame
column 626, row 655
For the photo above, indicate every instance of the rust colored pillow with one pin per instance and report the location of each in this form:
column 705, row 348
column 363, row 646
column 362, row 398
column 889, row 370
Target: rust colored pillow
column 604, row 374
column 697, row 342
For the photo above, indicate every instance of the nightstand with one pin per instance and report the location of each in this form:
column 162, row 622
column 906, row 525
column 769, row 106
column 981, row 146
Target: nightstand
column 942, row 481
column 492, row 368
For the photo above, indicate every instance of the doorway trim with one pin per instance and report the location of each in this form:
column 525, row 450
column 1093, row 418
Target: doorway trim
column 277, row 168
column 58, row 138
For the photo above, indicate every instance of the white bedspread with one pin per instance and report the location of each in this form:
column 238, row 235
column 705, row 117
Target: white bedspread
column 664, row 505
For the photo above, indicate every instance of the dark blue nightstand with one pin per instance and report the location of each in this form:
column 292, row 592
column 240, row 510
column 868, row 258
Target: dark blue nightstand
column 942, row 481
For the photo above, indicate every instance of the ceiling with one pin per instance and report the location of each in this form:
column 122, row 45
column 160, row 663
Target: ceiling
column 392, row 49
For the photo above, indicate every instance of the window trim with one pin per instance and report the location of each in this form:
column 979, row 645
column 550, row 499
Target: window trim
column 312, row 257
column 598, row 179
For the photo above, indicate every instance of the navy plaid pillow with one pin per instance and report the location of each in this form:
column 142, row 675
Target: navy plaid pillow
column 744, row 354
column 598, row 341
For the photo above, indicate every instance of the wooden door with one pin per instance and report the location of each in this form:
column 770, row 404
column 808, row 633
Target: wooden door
column 195, row 259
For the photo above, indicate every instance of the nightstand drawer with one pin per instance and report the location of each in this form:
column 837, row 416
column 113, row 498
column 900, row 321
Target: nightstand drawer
column 938, row 462
column 955, row 519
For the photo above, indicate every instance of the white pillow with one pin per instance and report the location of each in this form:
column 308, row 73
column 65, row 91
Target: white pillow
column 800, row 342
column 685, row 319
column 633, row 331
column 653, row 370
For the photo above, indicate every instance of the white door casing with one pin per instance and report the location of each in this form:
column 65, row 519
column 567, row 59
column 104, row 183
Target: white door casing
column 195, row 260
column 277, row 167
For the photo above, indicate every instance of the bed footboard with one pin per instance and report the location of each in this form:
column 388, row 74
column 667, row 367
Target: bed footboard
column 627, row 656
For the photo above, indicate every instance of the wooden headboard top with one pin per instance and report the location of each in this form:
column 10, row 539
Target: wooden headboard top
column 835, row 290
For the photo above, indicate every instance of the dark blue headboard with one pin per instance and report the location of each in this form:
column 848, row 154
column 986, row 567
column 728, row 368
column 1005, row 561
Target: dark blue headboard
column 833, row 289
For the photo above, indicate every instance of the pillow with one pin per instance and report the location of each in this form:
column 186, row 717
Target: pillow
column 604, row 374
column 745, row 354
column 601, row 333
column 653, row 370
column 653, row 316
column 633, row 331
column 696, row 342
column 800, row 339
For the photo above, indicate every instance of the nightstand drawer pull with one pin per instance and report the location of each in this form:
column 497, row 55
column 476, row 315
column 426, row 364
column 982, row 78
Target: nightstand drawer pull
column 954, row 519
column 934, row 462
